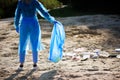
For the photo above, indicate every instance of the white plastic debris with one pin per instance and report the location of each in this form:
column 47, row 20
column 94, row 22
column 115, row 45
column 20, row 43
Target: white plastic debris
column 104, row 54
column 96, row 53
column 79, row 50
column 86, row 55
column 117, row 50
column 70, row 54
column 76, row 58
column 118, row 56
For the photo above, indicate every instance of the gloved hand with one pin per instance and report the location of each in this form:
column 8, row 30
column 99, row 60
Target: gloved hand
column 17, row 29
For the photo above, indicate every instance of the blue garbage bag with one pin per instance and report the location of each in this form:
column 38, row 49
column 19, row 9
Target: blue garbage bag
column 57, row 42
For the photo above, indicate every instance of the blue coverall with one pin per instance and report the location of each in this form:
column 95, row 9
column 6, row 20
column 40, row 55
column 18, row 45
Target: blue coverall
column 26, row 23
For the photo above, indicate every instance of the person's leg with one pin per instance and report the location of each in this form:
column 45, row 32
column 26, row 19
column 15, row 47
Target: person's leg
column 35, row 59
column 34, row 39
column 34, row 43
column 22, row 57
column 23, row 43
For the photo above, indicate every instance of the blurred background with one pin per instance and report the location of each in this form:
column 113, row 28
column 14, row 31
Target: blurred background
column 66, row 7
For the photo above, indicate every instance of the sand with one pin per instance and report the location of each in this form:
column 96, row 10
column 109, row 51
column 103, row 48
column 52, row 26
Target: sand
column 87, row 33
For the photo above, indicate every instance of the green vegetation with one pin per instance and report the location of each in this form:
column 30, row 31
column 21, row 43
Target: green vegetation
column 75, row 7
column 70, row 11
column 64, row 12
column 7, row 7
column 51, row 4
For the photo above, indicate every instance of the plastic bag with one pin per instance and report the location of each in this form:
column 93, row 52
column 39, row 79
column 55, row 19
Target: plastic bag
column 57, row 42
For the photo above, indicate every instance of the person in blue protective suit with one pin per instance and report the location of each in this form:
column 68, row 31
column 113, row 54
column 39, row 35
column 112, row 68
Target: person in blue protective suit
column 27, row 25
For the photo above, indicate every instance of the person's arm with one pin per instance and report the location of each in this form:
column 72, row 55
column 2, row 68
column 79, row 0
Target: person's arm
column 44, row 13
column 17, row 17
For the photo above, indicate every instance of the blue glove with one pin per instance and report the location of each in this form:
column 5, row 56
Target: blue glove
column 55, row 22
column 17, row 29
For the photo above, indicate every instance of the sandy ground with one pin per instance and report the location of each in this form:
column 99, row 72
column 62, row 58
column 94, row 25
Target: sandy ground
column 85, row 33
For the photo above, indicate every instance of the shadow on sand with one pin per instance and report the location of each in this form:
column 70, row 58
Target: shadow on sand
column 13, row 76
column 48, row 75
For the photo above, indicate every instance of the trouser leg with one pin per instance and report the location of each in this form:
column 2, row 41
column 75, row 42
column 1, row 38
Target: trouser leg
column 22, row 57
column 34, row 39
column 35, row 57
column 23, row 42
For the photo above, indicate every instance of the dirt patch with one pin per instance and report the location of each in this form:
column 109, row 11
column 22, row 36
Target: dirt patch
column 90, row 32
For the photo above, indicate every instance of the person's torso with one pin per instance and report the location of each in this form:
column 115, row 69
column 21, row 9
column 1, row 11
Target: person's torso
column 28, row 10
